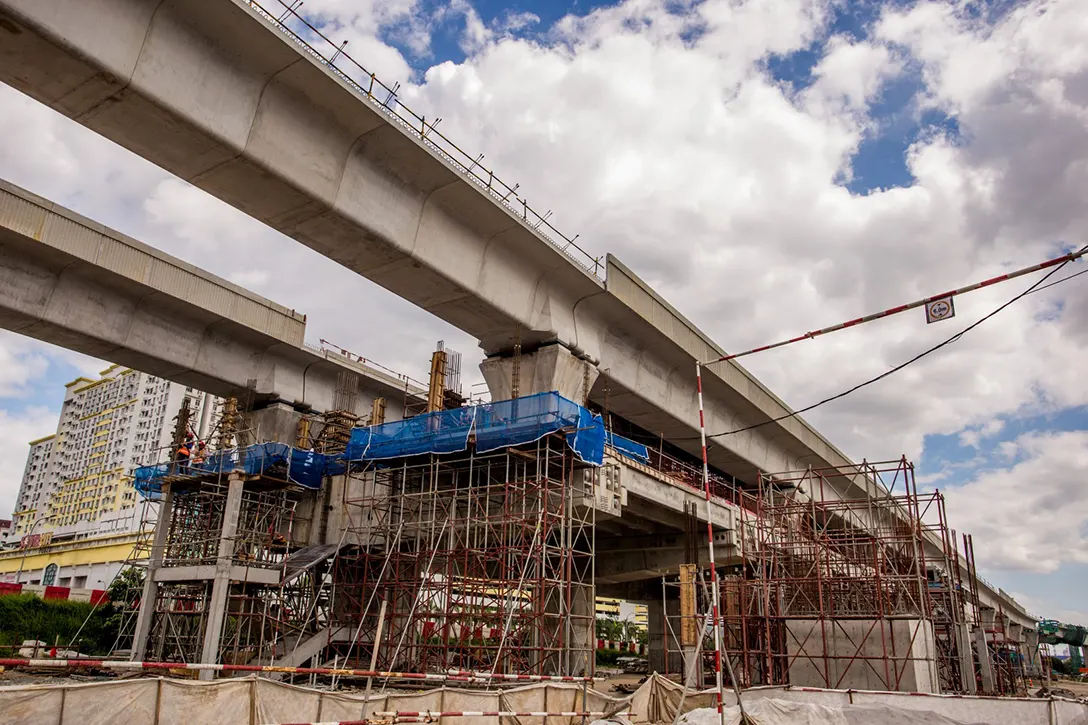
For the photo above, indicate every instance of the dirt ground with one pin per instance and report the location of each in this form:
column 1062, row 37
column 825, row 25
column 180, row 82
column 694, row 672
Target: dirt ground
column 1080, row 688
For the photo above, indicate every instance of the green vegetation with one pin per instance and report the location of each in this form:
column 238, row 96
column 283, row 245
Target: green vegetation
column 607, row 657
column 620, row 630
column 25, row 616
column 60, row 621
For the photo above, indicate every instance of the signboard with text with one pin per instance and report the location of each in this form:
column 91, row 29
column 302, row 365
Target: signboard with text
column 942, row 309
column 33, row 541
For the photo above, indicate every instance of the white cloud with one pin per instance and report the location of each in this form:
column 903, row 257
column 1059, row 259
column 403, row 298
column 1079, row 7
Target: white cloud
column 1032, row 515
column 252, row 279
column 23, row 365
column 720, row 188
column 512, row 21
column 851, row 73
column 363, row 22
column 21, row 362
column 16, row 430
column 476, row 34
column 1045, row 607
column 971, row 437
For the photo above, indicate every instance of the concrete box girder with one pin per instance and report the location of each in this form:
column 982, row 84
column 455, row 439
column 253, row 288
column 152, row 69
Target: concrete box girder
column 74, row 283
column 214, row 94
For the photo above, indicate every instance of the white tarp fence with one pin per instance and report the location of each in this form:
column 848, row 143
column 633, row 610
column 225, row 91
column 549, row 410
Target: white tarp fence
column 256, row 701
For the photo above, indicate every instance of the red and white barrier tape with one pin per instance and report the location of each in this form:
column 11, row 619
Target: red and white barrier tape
column 715, row 601
column 484, row 713
column 527, row 678
column 454, row 675
column 909, row 306
column 424, row 716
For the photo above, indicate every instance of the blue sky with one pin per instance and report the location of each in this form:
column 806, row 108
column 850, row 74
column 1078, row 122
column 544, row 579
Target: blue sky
column 788, row 167
column 48, row 390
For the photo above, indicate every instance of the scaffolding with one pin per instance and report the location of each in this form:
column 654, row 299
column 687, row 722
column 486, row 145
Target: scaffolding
column 1005, row 674
column 842, row 589
column 134, row 566
column 246, row 522
column 470, row 561
column 845, row 577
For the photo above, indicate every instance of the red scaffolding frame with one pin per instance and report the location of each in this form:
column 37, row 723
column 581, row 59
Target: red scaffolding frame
column 850, row 580
column 849, row 577
column 470, row 561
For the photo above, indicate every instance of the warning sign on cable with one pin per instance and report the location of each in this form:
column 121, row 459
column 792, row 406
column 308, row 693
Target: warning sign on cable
column 941, row 309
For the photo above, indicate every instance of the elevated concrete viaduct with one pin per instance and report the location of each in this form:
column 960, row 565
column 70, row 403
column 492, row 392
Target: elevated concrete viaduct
column 69, row 281
column 217, row 94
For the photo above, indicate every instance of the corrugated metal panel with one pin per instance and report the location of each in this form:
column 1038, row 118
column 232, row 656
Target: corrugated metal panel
column 665, row 320
column 21, row 216
column 211, row 296
column 286, row 328
column 297, row 332
column 124, row 259
column 72, row 237
column 170, row 279
column 250, row 313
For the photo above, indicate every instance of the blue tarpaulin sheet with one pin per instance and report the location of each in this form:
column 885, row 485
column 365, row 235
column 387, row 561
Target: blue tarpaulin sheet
column 445, row 431
column 496, row 425
column 628, row 447
column 505, row 423
column 303, row 467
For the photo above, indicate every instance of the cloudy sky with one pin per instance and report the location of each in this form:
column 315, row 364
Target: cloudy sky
column 770, row 167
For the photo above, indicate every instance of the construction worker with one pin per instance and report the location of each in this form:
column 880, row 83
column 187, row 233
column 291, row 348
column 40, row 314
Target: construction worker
column 201, row 453
column 184, row 450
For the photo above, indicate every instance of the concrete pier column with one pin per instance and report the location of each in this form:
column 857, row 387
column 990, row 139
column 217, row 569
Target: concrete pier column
column 151, row 587
column 967, row 659
column 985, row 665
column 217, row 607
column 277, row 422
column 988, row 616
column 583, row 625
column 548, row 368
column 1033, row 664
column 663, row 637
column 205, row 417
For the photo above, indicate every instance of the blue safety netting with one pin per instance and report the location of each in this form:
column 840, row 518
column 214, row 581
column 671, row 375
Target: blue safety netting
column 445, row 431
column 505, row 423
column 523, row 420
column 628, row 447
column 303, row 467
column 496, row 425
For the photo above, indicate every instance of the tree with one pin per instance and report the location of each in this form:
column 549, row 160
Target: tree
column 609, row 629
column 124, row 594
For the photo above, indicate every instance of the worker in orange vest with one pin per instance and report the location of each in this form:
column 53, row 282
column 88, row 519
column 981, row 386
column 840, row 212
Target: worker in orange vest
column 183, row 453
column 201, row 453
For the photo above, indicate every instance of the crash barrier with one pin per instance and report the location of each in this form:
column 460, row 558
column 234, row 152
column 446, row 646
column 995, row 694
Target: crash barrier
column 638, row 648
